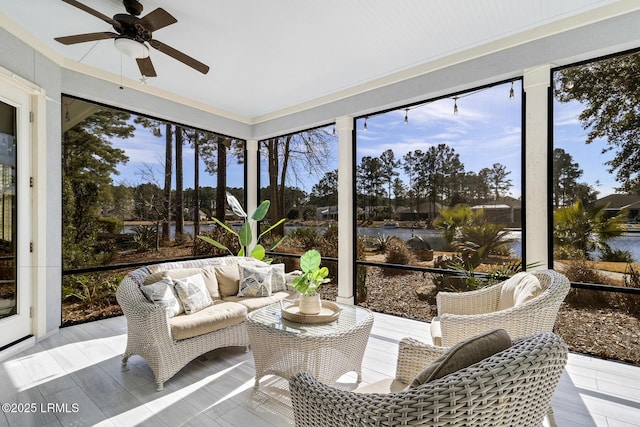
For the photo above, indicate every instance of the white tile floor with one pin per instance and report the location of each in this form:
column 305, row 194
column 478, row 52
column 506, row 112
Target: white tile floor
column 73, row 379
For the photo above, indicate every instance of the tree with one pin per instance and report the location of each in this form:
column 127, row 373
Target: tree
column 293, row 158
column 179, row 209
column 409, row 165
column 325, row 192
column 565, row 178
column 498, row 181
column 388, row 165
column 370, row 179
column 610, row 92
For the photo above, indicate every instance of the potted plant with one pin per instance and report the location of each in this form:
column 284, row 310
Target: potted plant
column 245, row 237
column 307, row 284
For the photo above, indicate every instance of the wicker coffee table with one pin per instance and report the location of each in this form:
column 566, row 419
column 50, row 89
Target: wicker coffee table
column 327, row 351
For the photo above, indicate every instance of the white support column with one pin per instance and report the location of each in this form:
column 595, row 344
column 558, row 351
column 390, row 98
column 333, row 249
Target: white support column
column 536, row 83
column 346, row 175
column 251, row 186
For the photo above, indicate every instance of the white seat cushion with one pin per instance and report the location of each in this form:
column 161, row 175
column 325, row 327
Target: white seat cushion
column 436, row 331
column 519, row 288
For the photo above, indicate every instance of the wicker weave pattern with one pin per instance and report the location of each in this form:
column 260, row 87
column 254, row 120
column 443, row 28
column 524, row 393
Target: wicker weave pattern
column 511, row 388
column 463, row 315
column 148, row 331
column 328, row 351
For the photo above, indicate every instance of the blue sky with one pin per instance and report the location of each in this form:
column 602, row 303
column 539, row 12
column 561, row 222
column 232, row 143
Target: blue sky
column 486, row 130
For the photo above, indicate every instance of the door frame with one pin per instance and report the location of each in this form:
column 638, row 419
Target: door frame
column 31, row 167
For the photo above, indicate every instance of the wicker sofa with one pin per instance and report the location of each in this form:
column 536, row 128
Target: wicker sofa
column 169, row 343
column 511, row 388
column 465, row 314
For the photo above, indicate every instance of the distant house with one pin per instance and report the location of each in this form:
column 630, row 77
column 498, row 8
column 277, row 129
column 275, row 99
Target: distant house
column 325, row 213
column 506, row 211
column 617, row 202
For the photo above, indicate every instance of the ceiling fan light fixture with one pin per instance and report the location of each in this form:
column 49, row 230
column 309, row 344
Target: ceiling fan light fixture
column 131, row 48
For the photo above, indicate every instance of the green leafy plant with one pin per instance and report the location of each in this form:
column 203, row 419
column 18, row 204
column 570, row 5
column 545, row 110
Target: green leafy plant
column 245, row 235
column 314, row 275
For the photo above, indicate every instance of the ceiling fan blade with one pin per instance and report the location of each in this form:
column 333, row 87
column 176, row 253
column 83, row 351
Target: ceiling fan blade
column 146, row 67
column 176, row 54
column 89, row 37
column 93, row 12
column 157, row 19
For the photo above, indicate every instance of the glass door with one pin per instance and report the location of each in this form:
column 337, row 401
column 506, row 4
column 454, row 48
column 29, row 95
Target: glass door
column 15, row 296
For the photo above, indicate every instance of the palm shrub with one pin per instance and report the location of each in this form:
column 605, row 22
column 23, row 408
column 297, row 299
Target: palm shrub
column 586, row 230
column 450, row 220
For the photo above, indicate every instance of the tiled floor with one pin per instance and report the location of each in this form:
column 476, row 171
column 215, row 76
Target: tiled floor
column 73, row 378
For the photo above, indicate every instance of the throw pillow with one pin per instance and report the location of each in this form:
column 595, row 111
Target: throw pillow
column 278, row 278
column 464, row 354
column 255, row 281
column 193, row 293
column 519, row 288
column 163, row 294
column 208, row 273
column 228, row 279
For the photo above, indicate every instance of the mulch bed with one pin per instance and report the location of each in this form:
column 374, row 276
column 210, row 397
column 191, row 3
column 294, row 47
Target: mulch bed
column 600, row 332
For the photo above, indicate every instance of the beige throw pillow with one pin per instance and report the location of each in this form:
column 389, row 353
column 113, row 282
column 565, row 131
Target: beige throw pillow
column 208, row 273
column 163, row 294
column 228, row 279
column 464, row 354
column 193, row 293
column 519, row 288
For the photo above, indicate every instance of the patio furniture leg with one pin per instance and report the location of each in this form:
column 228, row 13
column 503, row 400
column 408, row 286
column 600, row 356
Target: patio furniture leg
column 124, row 367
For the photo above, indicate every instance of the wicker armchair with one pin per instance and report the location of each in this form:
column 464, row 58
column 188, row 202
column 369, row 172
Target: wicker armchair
column 511, row 388
column 465, row 314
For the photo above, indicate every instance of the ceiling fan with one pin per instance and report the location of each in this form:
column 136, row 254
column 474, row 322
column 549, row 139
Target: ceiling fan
column 132, row 35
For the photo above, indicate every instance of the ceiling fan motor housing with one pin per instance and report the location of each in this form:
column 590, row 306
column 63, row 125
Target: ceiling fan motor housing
column 134, row 7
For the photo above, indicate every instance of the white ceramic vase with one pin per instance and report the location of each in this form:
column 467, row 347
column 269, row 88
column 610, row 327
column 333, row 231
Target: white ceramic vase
column 310, row 304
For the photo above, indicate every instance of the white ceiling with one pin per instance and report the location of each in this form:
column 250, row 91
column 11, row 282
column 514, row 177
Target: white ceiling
column 269, row 56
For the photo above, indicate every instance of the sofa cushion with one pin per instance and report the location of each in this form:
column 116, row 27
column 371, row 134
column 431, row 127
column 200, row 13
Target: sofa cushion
column 208, row 273
column 193, row 293
column 255, row 281
column 255, row 303
column 464, row 354
column 519, row 288
column 163, row 294
column 217, row 316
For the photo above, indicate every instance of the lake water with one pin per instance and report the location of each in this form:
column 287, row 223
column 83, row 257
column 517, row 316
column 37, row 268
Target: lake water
column 628, row 242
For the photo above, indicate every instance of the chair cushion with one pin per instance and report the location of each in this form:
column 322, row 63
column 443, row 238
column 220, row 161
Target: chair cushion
column 163, row 294
column 519, row 288
column 208, row 273
column 464, row 354
column 255, row 303
column 436, row 331
column 193, row 293
column 255, row 281
column 217, row 316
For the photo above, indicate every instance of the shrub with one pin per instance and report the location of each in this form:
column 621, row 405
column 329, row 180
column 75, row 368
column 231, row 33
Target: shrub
column 110, row 224
column 583, row 271
column 631, row 280
column 305, row 238
column 217, row 233
column 398, row 253
column 616, row 255
column 144, row 237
